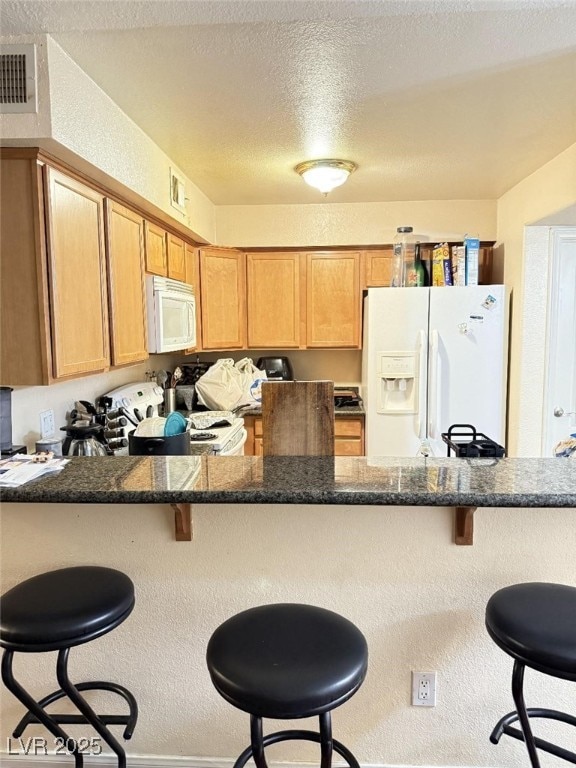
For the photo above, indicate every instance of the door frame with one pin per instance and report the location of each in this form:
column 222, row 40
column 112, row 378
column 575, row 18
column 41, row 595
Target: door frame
column 558, row 236
column 533, row 305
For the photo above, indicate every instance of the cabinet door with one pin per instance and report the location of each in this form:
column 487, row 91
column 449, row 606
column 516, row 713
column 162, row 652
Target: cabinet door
column 156, row 250
column 333, row 300
column 378, row 267
column 176, row 258
column 79, row 307
column 127, row 297
column 223, row 298
column 25, row 352
column 192, row 265
column 348, row 437
column 275, row 290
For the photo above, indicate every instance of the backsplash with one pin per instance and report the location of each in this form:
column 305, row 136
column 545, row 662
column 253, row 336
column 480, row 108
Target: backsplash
column 28, row 402
column 341, row 366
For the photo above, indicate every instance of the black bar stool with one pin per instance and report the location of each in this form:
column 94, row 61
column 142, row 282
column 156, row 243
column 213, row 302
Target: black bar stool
column 535, row 623
column 288, row 661
column 56, row 611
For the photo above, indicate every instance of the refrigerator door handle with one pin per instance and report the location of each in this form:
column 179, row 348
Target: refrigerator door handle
column 433, row 393
column 421, row 385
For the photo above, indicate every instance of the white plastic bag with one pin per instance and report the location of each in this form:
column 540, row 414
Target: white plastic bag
column 220, row 388
column 251, row 382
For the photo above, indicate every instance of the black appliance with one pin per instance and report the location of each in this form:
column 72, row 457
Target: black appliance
column 347, row 397
column 468, row 443
column 277, row 368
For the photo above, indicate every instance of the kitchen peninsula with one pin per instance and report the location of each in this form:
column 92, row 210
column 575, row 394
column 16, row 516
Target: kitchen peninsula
column 464, row 484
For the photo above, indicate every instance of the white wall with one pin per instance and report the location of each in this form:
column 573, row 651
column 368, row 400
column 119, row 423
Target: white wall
column 545, row 198
column 418, row 598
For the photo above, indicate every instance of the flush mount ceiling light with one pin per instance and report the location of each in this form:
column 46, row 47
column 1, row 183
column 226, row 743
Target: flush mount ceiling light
column 325, row 175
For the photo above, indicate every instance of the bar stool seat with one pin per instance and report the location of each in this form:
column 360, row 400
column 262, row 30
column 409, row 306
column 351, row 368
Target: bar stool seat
column 535, row 624
column 56, row 611
column 64, row 608
column 288, row 661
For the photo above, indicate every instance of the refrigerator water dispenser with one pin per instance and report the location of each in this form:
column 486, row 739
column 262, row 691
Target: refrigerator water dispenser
column 397, row 382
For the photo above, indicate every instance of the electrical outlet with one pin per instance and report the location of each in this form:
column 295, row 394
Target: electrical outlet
column 424, row 689
column 47, row 427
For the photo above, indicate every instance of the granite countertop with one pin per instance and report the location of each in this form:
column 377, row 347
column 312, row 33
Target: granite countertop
column 353, row 410
column 305, row 480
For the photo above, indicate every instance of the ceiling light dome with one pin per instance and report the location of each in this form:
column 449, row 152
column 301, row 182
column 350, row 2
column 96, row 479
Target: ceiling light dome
column 325, row 175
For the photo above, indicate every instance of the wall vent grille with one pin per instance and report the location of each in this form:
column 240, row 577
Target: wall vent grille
column 18, row 78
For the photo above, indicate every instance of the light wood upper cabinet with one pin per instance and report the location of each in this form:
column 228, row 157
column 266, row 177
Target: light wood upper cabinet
column 223, row 298
column 126, row 289
column 25, row 352
column 176, row 258
column 192, row 263
column 378, row 267
column 276, row 300
column 333, row 300
column 156, row 249
column 77, row 264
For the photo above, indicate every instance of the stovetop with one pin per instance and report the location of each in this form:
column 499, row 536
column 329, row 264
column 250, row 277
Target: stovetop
column 346, row 397
column 221, row 435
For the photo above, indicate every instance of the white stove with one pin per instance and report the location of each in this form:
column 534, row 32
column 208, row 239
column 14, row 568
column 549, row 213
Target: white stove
column 223, row 441
column 138, row 400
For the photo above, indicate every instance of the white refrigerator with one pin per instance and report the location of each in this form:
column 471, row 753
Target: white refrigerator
column 433, row 357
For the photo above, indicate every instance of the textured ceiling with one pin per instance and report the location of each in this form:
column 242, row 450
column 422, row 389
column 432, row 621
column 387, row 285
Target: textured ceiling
column 432, row 100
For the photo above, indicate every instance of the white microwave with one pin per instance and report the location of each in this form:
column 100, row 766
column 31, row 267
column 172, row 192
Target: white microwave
column 171, row 315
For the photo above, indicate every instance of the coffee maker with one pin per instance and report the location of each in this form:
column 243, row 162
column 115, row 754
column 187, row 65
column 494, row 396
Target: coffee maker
column 6, row 447
column 94, row 430
column 277, row 368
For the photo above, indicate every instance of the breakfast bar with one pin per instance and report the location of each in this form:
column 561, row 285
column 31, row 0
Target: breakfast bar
column 181, row 481
column 367, row 538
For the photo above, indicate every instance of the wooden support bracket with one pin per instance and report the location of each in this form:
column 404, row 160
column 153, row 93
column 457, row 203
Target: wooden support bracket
column 464, row 525
column 182, row 521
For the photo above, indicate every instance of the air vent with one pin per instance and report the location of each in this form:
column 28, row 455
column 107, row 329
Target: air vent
column 18, row 78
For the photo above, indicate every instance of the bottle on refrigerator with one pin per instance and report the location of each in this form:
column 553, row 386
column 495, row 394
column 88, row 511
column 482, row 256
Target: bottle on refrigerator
column 422, row 280
column 404, row 263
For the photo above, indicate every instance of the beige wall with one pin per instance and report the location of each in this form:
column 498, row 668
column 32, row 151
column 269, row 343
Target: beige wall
column 352, row 223
column 545, row 198
column 80, row 123
column 418, row 598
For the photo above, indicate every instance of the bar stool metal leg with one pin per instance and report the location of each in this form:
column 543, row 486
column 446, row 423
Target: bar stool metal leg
column 518, row 696
column 91, row 716
column 328, row 745
column 43, row 717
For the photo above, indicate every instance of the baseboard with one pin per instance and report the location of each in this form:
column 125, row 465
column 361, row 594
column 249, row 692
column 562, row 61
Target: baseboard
column 157, row 761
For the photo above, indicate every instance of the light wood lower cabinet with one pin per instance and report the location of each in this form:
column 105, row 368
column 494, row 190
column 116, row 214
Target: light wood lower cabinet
column 348, row 436
column 126, row 288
